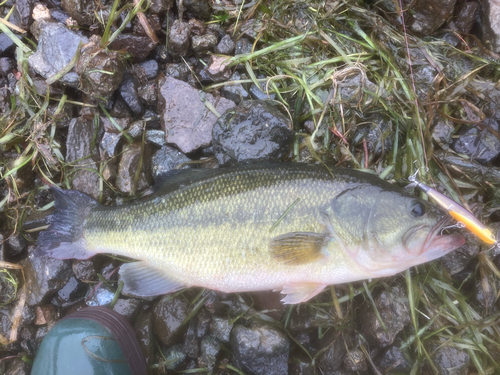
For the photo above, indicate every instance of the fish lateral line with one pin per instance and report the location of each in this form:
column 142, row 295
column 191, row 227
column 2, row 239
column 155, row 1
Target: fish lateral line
column 464, row 218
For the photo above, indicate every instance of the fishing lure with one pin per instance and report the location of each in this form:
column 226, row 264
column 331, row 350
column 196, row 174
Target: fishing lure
column 459, row 213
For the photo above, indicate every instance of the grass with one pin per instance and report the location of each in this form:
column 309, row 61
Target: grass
column 307, row 63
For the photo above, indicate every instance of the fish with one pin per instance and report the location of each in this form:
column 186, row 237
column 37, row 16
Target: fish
column 459, row 213
column 289, row 227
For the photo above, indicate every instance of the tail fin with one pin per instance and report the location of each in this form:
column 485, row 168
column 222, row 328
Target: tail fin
column 64, row 238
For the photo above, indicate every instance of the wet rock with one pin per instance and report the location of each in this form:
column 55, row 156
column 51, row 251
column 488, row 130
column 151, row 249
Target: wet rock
column 57, row 46
column 174, row 357
column 82, row 11
column 127, row 307
column 156, row 137
column 143, row 327
column 100, row 297
column 59, row 15
column 449, row 360
column 441, row 134
column 168, row 315
column 22, row 13
column 460, row 258
column 355, row 360
column 139, row 46
column 108, row 145
column 81, row 134
column 226, row 46
column 234, row 91
column 465, row 17
column 304, row 317
column 479, row 145
column 243, row 46
column 185, row 118
column 331, row 359
column 428, row 15
column 160, row 6
column 260, row 349
column 147, row 93
column 71, row 292
column 394, row 361
column 221, row 329
column 84, row 270
column 198, row 8
column 351, row 90
column 15, row 245
column 378, row 135
column 191, row 346
column 203, row 43
column 136, row 130
column 253, row 131
column 218, row 68
column 44, row 276
column 392, row 304
column 120, row 109
column 18, row 367
column 6, row 45
column 41, row 88
column 129, row 94
column 300, row 367
column 259, row 92
column 94, row 67
column 197, row 27
column 7, row 65
column 178, row 38
column 177, row 71
column 209, row 348
column 166, row 159
column 490, row 21
column 131, row 160
column 150, row 69
column 267, row 300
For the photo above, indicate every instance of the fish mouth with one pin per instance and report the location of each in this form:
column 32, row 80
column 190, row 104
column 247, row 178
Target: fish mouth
column 436, row 244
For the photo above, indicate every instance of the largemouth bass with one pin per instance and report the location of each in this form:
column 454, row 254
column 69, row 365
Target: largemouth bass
column 290, row 227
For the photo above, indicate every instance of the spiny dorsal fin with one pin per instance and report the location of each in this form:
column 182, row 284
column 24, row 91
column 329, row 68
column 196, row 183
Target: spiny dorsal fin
column 298, row 247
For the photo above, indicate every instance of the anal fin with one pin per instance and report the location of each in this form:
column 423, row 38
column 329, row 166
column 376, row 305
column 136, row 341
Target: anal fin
column 300, row 292
column 144, row 280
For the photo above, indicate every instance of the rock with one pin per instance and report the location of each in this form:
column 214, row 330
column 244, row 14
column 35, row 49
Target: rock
column 174, row 357
column 259, row 92
column 304, row 317
column 108, row 145
column 393, row 307
column 251, row 132
column 71, row 292
column 465, row 17
column 300, row 367
column 15, row 245
column 44, row 276
column 197, row 27
column 480, row 145
column 150, row 69
column 127, row 307
column 378, row 135
column 234, row 91
column 355, row 360
column 260, row 349
column 160, row 6
column 218, row 69
column 147, row 93
column 191, row 345
column 226, row 46
column 428, row 15
column 84, row 270
column 460, row 258
column 178, row 38
column 128, row 92
column 156, row 137
column 131, row 160
column 441, row 134
column 203, row 43
column 81, row 134
column 177, row 71
column 198, row 8
column 490, row 21
column 449, row 360
column 18, row 367
column 243, row 46
column 7, row 65
column 22, row 16
column 351, row 90
column 186, row 120
column 143, row 327
column 209, row 348
column 168, row 315
column 94, row 67
column 166, row 159
column 136, row 130
column 221, row 329
column 331, row 359
column 394, row 361
column 101, row 297
column 59, row 15
column 57, row 46
column 6, row 45
column 8, row 286
column 82, row 11
column 139, row 46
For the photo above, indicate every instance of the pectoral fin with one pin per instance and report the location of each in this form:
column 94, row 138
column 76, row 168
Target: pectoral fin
column 300, row 292
column 143, row 280
column 298, row 247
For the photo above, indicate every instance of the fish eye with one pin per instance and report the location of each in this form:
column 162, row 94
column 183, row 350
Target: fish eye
column 417, row 209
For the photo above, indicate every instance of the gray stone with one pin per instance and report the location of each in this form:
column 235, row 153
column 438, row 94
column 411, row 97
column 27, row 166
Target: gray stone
column 355, row 360
column 177, row 71
column 178, row 38
column 186, row 120
column 234, row 91
column 253, row 131
column 260, row 349
column 166, row 159
column 449, row 360
column 129, row 94
column 127, row 307
column 209, row 348
column 490, row 24
column 331, row 359
column 221, row 329
column 203, row 43
column 57, row 45
column 226, row 46
column 218, row 68
column 131, row 158
column 198, row 8
column 156, row 137
column 394, row 360
column 428, row 15
column 101, row 297
column 168, row 315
